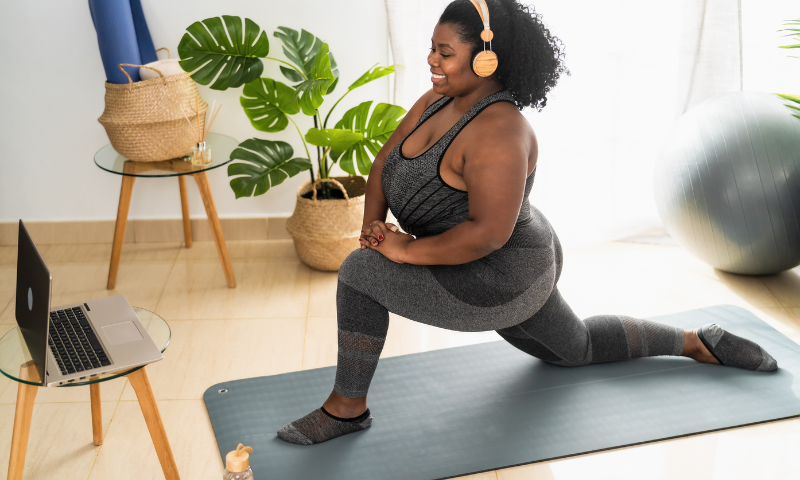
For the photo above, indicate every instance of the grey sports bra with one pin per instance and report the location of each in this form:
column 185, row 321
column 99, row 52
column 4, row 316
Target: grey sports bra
column 416, row 193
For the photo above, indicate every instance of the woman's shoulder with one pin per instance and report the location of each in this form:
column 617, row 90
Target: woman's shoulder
column 501, row 121
column 429, row 98
column 423, row 103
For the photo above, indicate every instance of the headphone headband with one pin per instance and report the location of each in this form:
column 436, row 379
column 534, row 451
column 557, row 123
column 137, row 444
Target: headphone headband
column 483, row 11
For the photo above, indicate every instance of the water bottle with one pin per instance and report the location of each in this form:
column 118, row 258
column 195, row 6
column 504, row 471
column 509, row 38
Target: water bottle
column 237, row 464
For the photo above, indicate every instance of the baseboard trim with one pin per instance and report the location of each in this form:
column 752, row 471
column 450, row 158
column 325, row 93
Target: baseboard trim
column 144, row 231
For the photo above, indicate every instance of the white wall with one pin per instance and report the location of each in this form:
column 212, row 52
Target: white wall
column 52, row 88
column 601, row 131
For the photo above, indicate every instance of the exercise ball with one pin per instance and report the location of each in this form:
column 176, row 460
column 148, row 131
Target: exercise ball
column 727, row 183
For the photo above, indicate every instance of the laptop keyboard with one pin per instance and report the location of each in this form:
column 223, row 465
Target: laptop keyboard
column 73, row 342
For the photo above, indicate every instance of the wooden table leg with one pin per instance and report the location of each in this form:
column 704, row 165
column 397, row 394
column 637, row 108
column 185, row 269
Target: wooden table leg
column 119, row 230
column 97, row 414
column 26, row 394
column 187, row 224
column 216, row 229
column 147, row 402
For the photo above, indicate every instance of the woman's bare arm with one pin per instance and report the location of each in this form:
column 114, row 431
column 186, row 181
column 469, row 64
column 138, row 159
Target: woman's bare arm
column 375, row 205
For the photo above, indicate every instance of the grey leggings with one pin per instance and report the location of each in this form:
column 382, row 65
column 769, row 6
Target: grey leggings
column 371, row 285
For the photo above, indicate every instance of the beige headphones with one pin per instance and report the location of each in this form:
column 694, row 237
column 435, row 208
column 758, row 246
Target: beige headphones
column 485, row 62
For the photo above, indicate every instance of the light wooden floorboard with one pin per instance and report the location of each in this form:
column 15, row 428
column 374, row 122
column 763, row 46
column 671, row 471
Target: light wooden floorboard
column 282, row 317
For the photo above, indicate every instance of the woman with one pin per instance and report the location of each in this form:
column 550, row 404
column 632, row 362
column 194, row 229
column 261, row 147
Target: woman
column 457, row 174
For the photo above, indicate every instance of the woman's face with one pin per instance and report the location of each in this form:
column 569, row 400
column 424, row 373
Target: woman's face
column 451, row 70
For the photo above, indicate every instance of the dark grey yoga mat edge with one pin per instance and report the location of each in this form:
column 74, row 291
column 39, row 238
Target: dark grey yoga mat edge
column 446, row 424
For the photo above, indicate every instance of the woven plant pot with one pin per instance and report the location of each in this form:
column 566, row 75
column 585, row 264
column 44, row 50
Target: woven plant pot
column 325, row 232
column 153, row 120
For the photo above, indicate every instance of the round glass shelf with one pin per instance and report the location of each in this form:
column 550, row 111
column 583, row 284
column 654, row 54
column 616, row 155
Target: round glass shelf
column 14, row 354
column 221, row 147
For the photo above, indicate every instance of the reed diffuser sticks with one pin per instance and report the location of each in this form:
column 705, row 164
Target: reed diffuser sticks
column 201, row 154
column 199, row 128
column 212, row 121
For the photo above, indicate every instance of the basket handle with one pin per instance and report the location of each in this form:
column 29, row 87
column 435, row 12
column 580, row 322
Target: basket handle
column 332, row 180
column 130, row 80
column 169, row 54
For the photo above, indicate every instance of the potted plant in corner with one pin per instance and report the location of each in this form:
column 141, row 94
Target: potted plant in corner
column 227, row 52
column 793, row 32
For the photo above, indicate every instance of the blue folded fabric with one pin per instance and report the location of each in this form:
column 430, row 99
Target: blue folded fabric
column 116, row 37
column 147, row 51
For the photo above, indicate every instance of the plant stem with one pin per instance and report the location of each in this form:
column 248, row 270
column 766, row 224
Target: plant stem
column 291, row 65
column 305, row 145
column 326, row 187
column 325, row 125
column 319, row 152
column 319, row 162
column 325, row 158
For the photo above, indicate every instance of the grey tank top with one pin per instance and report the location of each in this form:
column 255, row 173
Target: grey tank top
column 417, row 195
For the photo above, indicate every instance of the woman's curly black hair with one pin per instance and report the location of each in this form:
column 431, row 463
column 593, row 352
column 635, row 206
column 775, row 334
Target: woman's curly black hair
column 530, row 58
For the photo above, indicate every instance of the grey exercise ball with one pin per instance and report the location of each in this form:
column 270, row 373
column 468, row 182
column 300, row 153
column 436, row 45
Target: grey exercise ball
column 727, row 183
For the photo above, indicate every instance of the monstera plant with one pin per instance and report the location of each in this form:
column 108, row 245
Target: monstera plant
column 794, row 31
column 227, row 52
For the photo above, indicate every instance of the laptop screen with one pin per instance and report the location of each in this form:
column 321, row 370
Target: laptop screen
column 33, row 299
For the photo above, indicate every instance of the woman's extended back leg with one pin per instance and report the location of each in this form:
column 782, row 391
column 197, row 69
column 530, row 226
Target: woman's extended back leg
column 556, row 335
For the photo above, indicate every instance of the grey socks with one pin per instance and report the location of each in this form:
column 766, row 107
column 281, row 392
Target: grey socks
column 320, row 426
column 733, row 351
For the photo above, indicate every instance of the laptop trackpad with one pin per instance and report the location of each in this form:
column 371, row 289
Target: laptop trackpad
column 120, row 333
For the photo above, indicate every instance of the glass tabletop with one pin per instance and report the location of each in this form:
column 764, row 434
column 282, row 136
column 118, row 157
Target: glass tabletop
column 221, row 147
column 14, row 353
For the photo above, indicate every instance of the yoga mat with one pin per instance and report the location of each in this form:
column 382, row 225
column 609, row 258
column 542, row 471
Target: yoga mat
column 116, row 37
column 471, row 409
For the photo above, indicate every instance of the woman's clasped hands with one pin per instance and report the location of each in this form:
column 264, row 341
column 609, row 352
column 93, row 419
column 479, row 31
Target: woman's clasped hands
column 387, row 239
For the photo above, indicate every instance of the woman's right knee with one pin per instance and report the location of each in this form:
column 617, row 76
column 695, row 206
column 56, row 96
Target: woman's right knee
column 354, row 265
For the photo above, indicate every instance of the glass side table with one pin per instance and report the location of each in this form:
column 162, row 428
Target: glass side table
column 16, row 364
column 109, row 160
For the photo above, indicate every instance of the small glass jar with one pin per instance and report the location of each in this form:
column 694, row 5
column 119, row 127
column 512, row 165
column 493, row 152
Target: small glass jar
column 201, row 154
column 243, row 475
column 237, row 464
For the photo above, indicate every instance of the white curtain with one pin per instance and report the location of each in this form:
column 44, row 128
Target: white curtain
column 411, row 25
column 636, row 66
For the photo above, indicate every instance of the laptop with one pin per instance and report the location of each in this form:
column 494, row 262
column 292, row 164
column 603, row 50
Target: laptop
column 78, row 341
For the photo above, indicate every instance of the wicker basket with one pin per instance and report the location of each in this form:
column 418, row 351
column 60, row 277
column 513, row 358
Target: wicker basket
column 155, row 119
column 325, row 232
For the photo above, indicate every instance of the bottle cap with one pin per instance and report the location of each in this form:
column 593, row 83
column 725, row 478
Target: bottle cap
column 239, row 459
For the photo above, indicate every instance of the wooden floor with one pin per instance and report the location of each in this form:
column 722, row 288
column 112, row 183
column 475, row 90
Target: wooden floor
column 282, row 318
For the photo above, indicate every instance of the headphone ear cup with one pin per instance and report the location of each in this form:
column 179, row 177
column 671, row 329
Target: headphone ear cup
column 484, row 63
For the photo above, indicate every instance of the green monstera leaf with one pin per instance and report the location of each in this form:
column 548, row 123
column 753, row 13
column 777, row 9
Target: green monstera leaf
column 302, row 49
column 309, row 93
column 299, row 48
column 333, row 138
column 267, row 164
column 335, row 70
column 375, row 129
column 233, row 57
column 268, row 103
column 375, row 72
